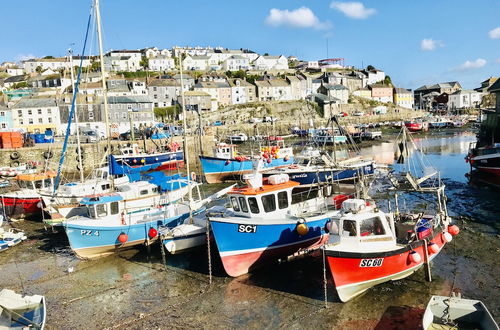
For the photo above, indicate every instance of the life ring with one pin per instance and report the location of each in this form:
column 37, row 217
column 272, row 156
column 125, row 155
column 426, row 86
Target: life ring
column 77, row 158
column 81, row 150
column 106, row 148
column 14, row 155
column 193, row 176
column 48, row 154
column 78, row 167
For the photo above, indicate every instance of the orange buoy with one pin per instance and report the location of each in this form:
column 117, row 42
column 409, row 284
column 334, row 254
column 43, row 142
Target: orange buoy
column 302, row 229
column 453, row 229
column 122, row 238
column 269, row 160
column 415, row 257
column 447, row 237
column 433, row 248
column 152, row 233
column 287, row 158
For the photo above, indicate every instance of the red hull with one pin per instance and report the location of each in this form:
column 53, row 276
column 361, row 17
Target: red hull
column 353, row 276
column 168, row 166
column 15, row 206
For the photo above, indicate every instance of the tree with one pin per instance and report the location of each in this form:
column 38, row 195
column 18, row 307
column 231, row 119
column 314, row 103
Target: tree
column 22, row 84
column 387, row 80
column 144, row 62
column 160, row 113
column 49, row 57
column 38, row 69
column 94, row 66
column 370, row 67
column 266, row 54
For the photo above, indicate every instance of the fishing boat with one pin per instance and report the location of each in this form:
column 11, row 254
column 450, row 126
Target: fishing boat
column 484, row 155
column 227, row 164
column 417, row 125
column 266, row 222
column 27, row 201
column 311, row 167
column 238, row 138
column 456, row 312
column 169, row 160
column 21, row 312
column 324, row 136
column 11, row 237
column 439, row 122
column 368, row 247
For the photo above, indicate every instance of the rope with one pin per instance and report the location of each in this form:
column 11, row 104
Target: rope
column 209, row 254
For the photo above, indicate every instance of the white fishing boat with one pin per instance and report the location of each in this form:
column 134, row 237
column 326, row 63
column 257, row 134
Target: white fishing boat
column 458, row 313
column 21, row 312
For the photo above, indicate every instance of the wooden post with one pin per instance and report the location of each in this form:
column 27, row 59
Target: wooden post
column 427, row 264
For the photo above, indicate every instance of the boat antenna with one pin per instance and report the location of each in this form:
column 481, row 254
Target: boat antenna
column 104, row 89
column 72, row 111
column 186, row 149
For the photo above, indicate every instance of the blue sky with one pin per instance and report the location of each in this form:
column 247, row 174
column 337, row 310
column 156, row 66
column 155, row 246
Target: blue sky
column 462, row 37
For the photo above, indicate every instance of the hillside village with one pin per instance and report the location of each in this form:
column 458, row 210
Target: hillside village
column 144, row 86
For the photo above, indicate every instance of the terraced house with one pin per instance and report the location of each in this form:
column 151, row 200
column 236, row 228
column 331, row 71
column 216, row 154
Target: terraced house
column 36, row 114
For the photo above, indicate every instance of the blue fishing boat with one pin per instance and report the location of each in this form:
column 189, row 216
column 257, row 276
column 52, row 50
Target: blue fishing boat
column 133, row 156
column 264, row 223
column 226, row 164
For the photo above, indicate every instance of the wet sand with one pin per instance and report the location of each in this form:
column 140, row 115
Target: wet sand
column 135, row 290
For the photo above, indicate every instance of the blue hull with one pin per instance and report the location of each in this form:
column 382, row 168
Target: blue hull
column 95, row 241
column 244, row 251
column 218, row 169
column 162, row 158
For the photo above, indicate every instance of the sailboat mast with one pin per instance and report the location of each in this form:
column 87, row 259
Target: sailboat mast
column 104, row 89
column 70, row 55
column 184, row 128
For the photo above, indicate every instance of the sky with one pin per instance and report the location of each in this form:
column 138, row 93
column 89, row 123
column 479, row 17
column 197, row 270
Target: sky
column 415, row 42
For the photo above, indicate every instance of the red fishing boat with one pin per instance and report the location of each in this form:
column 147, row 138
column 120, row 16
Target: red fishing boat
column 27, row 200
column 417, row 126
column 368, row 247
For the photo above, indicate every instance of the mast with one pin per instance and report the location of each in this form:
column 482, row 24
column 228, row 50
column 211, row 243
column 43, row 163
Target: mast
column 70, row 54
column 186, row 149
column 104, row 90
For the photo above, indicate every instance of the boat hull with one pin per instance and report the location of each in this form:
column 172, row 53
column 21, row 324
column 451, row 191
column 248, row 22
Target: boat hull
column 218, row 170
column 242, row 252
column 487, row 163
column 354, row 273
column 89, row 242
column 168, row 161
column 21, row 206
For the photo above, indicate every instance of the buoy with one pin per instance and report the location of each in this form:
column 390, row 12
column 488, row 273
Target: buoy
column 265, row 155
column 302, row 229
column 143, row 160
column 287, row 158
column 122, row 238
column 276, row 156
column 453, row 229
column 269, row 160
column 447, row 237
column 228, row 162
column 134, row 161
column 415, row 257
column 433, row 248
column 152, row 233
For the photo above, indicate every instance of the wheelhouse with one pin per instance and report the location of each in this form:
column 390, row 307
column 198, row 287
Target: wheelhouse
column 99, row 206
column 36, row 181
column 225, row 151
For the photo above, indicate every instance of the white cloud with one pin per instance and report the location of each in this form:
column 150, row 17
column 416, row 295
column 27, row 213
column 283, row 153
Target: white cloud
column 430, row 44
column 24, row 57
column 353, row 9
column 495, row 33
column 302, row 17
column 471, row 65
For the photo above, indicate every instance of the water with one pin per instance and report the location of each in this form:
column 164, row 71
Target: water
column 134, row 289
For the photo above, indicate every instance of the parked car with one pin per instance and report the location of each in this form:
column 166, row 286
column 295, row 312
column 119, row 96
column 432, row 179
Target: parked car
column 127, row 136
column 269, row 119
column 358, row 114
column 255, row 120
column 88, row 136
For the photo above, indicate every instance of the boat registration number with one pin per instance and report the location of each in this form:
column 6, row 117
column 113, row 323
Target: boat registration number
column 371, row 262
column 89, row 232
column 251, row 229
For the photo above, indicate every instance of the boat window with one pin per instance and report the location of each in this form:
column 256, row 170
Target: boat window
column 38, row 184
column 22, row 184
column 47, row 183
column 105, row 186
column 243, row 203
column 114, row 208
column 92, row 212
column 372, row 226
column 101, row 210
column 154, row 189
column 105, row 175
column 143, row 192
column 254, row 207
column 349, row 228
column 282, row 200
column 269, row 203
column 333, row 227
column 235, row 204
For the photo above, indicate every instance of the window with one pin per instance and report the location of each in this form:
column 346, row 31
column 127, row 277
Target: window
column 282, row 200
column 101, row 210
column 40, row 120
column 254, row 207
column 39, row 184
column 30, row 112
column 49, row 111
column 39, row 111
column 243, row 203
column 371, row 227
column 129, row 106
column 21, row 122
column 234, row 203
column 30, row 121
column 2, row 113
column 4, row 125
column 269, row 203
column 349, row 228
column 114, row 208
column 105, row 186
column 50, row 120
column 143, row 192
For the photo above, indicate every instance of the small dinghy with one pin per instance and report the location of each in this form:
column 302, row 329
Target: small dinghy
column 456, row 312
column 18, row 312
column 11, row 237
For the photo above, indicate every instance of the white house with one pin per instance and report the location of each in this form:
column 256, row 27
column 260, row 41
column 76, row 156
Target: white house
column 122, row 63
column 161, row 63
column 14, row 71
column 37, row 114
column 30, row 66
column 270, row 63
column 235, row 63
column 242, row 91
column 374, row 76
column 199, row 63
column 132, row 53
column 464, row 99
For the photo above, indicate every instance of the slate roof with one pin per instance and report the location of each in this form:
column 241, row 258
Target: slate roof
column 35, row 103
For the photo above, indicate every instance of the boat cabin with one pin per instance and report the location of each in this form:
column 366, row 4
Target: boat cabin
column 131, row 150
column 225, row 151
column 359, row 224
column 36, row 180
column 99, row 206
column 272, row 198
